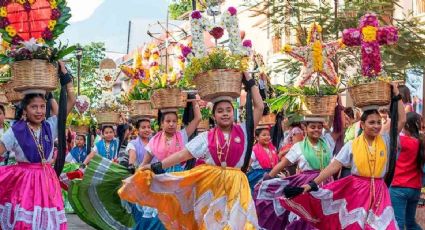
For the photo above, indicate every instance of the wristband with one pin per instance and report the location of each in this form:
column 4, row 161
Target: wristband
column 249, row 84
column 313, row 186
column 131, row 168
column 65, row 78
column 157, row 168
column 83, row 166
column 397, row 98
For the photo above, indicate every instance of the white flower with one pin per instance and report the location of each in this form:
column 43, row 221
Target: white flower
column 31, row 45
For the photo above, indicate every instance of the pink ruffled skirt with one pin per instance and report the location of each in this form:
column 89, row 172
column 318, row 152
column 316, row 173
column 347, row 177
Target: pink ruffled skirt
column 349, row 203
column 30, row 198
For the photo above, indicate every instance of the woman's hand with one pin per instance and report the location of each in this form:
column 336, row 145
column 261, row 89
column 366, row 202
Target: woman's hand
column 62, row 67
column 306, row 188
column 395, row 88
column 144, row 167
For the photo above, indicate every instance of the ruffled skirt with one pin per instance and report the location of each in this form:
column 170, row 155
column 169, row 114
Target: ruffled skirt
column 205, row 197
column 30, row 198
column 349, row 203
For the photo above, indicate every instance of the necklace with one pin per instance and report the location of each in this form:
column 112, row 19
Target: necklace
column 38, row 142
column 318, row 151
column 371, row 158
column 107, row 149
column 80, row 155
column 221, row 148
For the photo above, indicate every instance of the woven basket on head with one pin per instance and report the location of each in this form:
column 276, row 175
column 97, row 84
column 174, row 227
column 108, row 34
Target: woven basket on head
column 3, row 98
column 9, row 112
column 218, row 82
column 375, row 93
column 107, row 63
column 269, row 119
column 34, row 76
column 81, row 130
column 204, row 125
column 142, row 108
column 320, row 105
column 107, row 117
column 168, row 98
column 11, row 95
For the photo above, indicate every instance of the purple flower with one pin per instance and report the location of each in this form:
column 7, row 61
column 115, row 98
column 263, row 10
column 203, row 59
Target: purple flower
column 4, row 2
column 247, row 43
column 186, row 50
column 55, row 14
column 196, row 14
column 47, row 34
column 27, row 7
column 4, row 22
column 232, row 11
column 217, row 32
column 351, row 37
column 16, row 40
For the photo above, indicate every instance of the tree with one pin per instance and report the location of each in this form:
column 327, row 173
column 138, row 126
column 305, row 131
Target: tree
column 293, row 17
column 178, row 8
column 92, row 55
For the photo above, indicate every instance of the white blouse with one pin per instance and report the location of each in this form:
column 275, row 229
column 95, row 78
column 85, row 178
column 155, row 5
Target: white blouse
column 345, row 156
column 295, row 154
column 198, row 147
column 11, row 144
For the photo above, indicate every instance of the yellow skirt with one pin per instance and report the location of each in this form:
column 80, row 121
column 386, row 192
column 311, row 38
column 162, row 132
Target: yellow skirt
column 206, row 197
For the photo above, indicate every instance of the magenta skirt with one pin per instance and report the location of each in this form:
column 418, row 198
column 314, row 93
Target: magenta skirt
column 348, row 203
column 30, row 198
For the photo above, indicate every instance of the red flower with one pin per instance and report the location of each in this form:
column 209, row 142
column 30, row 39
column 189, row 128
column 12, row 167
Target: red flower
column 196, row 14
column 247, row 43
column 217, row 32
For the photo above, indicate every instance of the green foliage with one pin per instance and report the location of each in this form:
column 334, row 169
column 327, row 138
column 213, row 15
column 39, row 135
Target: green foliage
column 216, row 59
column 75, row 119
column 140, row 92
column 92, row 55
column 178, row 8
column 294, row 17
column 206, row 113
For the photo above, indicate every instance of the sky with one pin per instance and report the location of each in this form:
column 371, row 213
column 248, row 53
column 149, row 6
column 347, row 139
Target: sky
column 107, row 21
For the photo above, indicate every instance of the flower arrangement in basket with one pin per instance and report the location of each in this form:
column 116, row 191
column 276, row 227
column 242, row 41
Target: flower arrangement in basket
column 29, row 29
column 370, row 89
column 218, row 72
column 309, row 96
column 139, row 100
column 204, row 125
column 309, row 100
column 81, row 121
column 107, row 110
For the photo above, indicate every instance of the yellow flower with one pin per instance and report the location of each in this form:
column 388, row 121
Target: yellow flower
column 369, row 33
column 40, row 41
column 11, row 31
column 3, row 12
column 5, row 44
column 317, row 56
column 341, row 43
column 21, row 2
column 31, row 1
column 314, row 28
column 286, row 48
column 164, row 78
column 52, row 24
column 53, row 4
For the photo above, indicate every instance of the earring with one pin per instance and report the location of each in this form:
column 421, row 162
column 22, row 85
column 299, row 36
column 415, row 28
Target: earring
column 24, row 117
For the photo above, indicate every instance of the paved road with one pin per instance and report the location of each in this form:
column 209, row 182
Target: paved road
column 74, row 223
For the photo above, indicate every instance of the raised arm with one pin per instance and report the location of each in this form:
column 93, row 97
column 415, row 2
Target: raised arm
column 401, row 112
column 191, row 127
column 66, row 81
column 257, row 101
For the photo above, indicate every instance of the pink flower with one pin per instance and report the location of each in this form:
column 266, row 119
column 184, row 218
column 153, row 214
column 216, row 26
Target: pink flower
column 247, row 43
column 232, row 11
column 217, row 32
column 196, row 14
column 186, row 51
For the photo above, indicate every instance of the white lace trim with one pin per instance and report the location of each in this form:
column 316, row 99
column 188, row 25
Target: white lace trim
column 39, row 219
column 358, row 215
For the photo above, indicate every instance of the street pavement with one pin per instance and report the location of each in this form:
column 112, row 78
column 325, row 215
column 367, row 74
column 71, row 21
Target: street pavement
column 74, row 223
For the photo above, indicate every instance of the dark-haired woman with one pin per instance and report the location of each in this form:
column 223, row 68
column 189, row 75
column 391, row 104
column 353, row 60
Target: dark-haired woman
column 361, row 200
column 108, row 147
column 30, row 195
column 214, row 195
column 311, row 155
column 406, row 187
column 169, row 141
column 406, row 98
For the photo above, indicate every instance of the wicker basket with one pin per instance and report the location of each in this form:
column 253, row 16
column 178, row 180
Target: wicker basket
column 142, row 108
column 11, row 95
column 3, row 98
column 204, row 125
column 34, row 76
column 219, row 82
column 168, row 98
column 108, row 117
column 375, row 93
column 269, row 119
column 320, row 105
column 82, row 130
column 9, row 112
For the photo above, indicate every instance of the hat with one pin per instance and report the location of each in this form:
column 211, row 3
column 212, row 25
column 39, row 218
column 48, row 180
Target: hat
column 222, row 98
column 314, row 119
column 169, row 110
column 370, row 107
